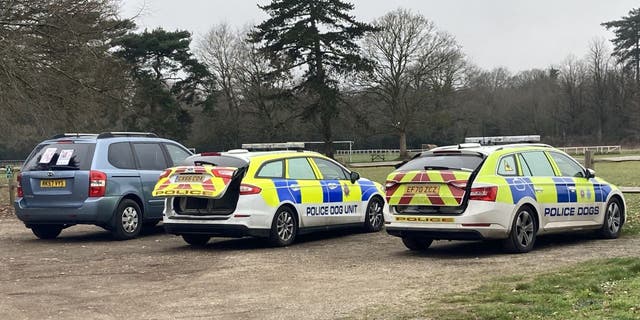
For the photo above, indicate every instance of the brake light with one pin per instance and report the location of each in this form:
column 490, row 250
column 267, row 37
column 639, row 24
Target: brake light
column 484, row 193
column 97, row 183
column 210, row 154
column 19, row 186
column 223, row 173
column 165, row 174
column 64, row 142
column 246, row 189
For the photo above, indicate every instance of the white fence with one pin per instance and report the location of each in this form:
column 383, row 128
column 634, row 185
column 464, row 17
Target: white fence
column 595, row 149
column 374, row 151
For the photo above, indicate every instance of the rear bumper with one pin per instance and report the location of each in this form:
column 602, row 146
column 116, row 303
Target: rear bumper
column 437, row 234
column 97, row 211
column 214, row 230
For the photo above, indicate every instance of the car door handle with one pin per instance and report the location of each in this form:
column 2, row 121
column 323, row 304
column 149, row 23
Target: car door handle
column 537, row 189
column 332, row 185
column 294, row 187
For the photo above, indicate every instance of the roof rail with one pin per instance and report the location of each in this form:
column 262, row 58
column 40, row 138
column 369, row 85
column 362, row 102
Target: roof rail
column 127, row 134
column 74, row 134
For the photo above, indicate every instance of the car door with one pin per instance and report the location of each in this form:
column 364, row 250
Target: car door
column 151, row 161
column 342, row 198
column 305, row 186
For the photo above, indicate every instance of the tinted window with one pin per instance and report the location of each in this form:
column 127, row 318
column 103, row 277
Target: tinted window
column 454, row 161
column 299, row 168
column 568, row 167
column 538, row 164
column 507, row 166
column 177, row 154
column 120, row 155
column 60, row 156
column 330, row 170
column 150, row 156
column 274, row 169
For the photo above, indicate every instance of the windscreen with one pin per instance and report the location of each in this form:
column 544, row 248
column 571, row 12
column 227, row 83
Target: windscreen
column 60, row 156
column 453, row 161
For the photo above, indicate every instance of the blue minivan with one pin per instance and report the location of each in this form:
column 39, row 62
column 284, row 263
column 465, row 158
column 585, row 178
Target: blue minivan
column 103, row 179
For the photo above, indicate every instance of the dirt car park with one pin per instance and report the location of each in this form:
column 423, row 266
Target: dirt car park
column 84, row 274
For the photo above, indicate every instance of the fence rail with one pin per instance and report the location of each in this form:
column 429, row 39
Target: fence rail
column 374, row 151
column 595, row 149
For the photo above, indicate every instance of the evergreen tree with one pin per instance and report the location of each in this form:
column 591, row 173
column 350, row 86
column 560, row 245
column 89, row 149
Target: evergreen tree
column 627, row 40
column 321, row 35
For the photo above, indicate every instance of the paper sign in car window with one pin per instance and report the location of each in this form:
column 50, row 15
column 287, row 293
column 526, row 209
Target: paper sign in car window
column 65, row 156
column 47, row 155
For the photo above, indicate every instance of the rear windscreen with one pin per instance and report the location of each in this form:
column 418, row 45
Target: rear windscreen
column 64, row 156
column 217, row 161
column 468, row 162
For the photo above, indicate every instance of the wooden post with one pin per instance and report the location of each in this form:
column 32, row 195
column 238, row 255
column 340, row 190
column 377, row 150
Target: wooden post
column 12, row 192
column 588, row 159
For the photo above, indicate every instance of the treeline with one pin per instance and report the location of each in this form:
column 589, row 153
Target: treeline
column 310, row 72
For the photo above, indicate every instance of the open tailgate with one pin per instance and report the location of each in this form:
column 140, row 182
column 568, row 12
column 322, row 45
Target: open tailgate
column 194, row 181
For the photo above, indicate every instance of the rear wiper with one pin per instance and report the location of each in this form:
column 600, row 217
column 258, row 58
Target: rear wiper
column 446, row 168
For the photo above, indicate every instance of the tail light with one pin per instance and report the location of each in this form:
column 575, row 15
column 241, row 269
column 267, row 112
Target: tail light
column 390, row 187
column 460, row 184
column 97, row 183
column 246, row 189
column 223, row 173
column 484, row 193
column 19, row 186
column 165, row 174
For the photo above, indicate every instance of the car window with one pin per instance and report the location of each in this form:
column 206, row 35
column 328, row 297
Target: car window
column 330, row 170
column 150, row 156
column 120, row 155
column 60, row 156
column 177, row 154
column 507, row 166
column 273, row 169
column 455, row 161
column 568, row 167
column 538, row 164
column 524, row 167
column 299, row 168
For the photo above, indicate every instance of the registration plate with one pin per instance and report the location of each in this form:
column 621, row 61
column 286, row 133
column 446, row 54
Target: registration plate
column 190, row 178
column 53, row 183
column 430, row 189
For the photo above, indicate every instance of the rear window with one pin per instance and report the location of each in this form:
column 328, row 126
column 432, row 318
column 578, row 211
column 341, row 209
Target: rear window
column 467, row 162
column 218, row 161
column 60, row 156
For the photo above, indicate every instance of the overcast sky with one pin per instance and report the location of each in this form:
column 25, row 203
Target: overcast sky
column 516, row 34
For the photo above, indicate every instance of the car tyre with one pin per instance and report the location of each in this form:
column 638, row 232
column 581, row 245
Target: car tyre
column 417, row 244
column 196, row 240
column 523, row 232
column 374, row 216
column 46, row 231
column 284, row 227
column 613, row 220
column 127, row 220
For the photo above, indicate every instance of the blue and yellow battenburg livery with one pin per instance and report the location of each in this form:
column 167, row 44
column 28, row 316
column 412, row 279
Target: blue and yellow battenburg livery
column 510, row 192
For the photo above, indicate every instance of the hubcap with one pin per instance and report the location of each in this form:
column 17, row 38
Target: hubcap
column 129, row 219
column 524, row 229
column 613, row 217
column 375, row 214
column 285, row 225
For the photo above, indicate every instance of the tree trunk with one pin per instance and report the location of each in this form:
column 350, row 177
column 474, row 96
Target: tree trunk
column 327, row 135
column 403, row 145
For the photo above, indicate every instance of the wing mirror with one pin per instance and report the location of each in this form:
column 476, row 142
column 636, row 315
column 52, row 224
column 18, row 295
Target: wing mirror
column 354, row 176
column 590, row 173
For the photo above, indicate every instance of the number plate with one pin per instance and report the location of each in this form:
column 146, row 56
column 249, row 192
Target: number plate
column 53, row 183
column 190, row 178
column 430, row 189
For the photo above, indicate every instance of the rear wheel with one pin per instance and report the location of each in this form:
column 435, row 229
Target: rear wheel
column 417, row 244
column 374, row 218
column 198, row 240
column 46, row 231
column 284, row 227
column 127, row 220
column 523, row 232
column 613, row 220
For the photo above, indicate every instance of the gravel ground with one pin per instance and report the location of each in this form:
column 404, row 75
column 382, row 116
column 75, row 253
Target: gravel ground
column 85, row 275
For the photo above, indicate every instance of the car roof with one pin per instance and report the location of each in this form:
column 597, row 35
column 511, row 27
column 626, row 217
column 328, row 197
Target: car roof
column 268, row 155
column 487, row 150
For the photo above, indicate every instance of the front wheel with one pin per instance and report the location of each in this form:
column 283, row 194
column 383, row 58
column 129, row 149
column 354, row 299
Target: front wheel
column 374, row 218
column 613, row 220
column 523, row 232
column 284, row 227
column 127, row 221
column 46, row 231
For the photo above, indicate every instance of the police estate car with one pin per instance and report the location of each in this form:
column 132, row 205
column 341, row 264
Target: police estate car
column 271, row 194
column 511, row 192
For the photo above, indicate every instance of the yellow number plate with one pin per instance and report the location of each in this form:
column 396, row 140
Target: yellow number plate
column 53, row 183
column 190, row 178
column 430, row 189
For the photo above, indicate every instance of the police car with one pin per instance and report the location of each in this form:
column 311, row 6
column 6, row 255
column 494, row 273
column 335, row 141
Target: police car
column 272, row 194
column 510, row 192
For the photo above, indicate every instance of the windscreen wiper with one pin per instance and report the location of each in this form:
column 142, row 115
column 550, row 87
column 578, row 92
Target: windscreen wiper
column 446, row 168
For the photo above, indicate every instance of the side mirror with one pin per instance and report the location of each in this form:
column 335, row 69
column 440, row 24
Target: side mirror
column 354, row 176
column 590, row 173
